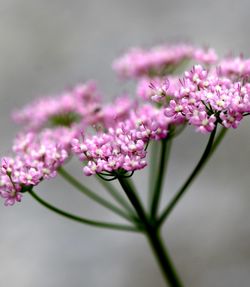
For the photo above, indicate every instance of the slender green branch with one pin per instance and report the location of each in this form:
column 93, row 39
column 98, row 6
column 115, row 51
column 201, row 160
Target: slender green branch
column 190, row 179
column 154, row 159
column 165, row 151
column 84, row 220
column 95, row 197
column 116, row 195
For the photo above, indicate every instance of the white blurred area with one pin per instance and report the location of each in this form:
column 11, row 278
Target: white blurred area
column 46, row 46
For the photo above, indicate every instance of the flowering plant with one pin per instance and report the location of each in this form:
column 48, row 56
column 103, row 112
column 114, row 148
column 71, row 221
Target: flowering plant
column 177, row 85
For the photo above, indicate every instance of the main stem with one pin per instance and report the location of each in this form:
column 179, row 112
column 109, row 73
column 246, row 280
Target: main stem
column 163, row 258
column 152, row 232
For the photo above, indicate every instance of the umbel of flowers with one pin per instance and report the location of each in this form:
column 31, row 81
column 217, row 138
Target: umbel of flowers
column 176, row 86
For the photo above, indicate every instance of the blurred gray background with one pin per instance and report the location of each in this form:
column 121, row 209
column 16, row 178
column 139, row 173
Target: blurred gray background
column 48, row 45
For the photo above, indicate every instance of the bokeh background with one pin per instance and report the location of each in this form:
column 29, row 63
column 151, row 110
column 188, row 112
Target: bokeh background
column 48, row 45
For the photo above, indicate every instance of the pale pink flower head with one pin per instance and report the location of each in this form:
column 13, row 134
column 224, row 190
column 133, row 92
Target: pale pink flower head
column 153, row 62
column 206, row 56
column 235, row 68
column 74, row 106
column 63, row 117
column 161, row 60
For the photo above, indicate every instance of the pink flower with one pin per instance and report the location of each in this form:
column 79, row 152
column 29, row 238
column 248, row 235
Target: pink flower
column 203, row 122
column 157, row 61
column 205, row 99
column 11, row 197
column 231, row 119
column 159, row 89
column 36, row 160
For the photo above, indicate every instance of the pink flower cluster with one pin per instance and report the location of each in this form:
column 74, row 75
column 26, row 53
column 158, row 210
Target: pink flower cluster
column 37, row 158
column 151, row 121
column 76, row 105
column 235, row 68
column 206, row 99
column 205, row 56
column 63, row 117
column 160, row 60
column 122, row 147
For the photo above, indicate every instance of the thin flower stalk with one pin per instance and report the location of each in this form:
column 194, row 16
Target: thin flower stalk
column 190, row 179
column 83, row 220
column 95, row 197
column 164, row 155
column 116, row 195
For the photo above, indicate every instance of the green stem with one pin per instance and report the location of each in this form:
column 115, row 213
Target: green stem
column 116, row 195
column 154, row 159
column 151, row 231
column 163, row 259
column 190, row 179
column 165, row 150
column 95, row 197
column 84, row 220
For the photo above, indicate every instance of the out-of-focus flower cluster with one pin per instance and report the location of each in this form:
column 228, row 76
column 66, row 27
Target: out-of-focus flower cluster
column 112, row 139
column 235, row 68
column 74, row 106
column 160, row 60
